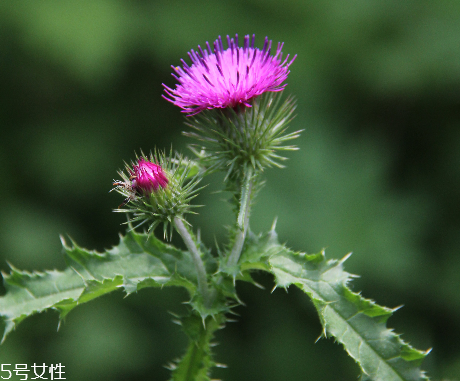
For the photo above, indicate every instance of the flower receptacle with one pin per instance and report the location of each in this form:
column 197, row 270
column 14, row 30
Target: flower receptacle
column 232, row 139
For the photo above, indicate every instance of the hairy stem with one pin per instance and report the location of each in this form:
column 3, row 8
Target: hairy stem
column 197, row 361
column 243, row 219
column 199, row 266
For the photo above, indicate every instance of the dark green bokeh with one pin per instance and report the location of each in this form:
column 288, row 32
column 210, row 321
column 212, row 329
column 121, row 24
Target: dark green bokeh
column 378, row 173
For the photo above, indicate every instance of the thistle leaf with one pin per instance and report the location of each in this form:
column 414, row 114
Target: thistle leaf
column 359, row 324
column 133, row 264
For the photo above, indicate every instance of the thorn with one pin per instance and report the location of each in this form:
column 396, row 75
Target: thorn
column 63, row 242
column 171, row 366
column 240, row 301
column 12, row 268
column 273, row 289
column 274, row 223
column 319, row 337
column 345, row 257
column 174, row 314
column 397, row 308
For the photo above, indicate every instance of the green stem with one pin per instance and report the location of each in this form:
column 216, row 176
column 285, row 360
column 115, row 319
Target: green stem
column 199, row 266
column 243, row 219
column 197, row 361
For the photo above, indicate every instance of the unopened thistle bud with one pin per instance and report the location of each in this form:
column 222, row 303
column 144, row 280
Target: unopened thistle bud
column 156, row 190
column 147, row 177
column 230, row 96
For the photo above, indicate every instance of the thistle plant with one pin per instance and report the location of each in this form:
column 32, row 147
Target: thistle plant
column 237, row 118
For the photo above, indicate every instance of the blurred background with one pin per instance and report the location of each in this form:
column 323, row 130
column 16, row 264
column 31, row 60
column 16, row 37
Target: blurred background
column 378, row 173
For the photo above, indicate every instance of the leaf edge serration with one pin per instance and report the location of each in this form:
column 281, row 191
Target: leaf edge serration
column 91, row 274
column 315, row 275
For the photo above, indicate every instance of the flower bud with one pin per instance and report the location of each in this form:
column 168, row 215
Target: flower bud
column 156, row 190
column 147, row 177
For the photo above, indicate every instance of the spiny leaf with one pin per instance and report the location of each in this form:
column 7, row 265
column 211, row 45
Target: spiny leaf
column 136, row 258
column 359, row 324
column 133, row 264
column 28, row 293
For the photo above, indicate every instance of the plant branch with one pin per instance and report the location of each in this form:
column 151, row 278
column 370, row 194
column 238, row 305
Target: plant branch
column 243, row 219
column 199, row 266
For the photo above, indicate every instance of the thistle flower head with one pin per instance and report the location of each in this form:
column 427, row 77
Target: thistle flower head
column 220, row 78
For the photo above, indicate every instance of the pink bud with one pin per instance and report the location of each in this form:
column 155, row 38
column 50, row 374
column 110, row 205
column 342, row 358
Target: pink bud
column 147, row 176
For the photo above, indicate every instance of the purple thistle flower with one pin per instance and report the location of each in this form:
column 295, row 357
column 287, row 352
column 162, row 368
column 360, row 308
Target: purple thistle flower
column 147, row 177
column 228, row 77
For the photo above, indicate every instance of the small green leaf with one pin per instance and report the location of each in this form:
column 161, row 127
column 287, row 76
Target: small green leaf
column 135, row 263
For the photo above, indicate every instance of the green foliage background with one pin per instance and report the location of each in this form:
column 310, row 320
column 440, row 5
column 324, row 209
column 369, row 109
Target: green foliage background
column 378, row 173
